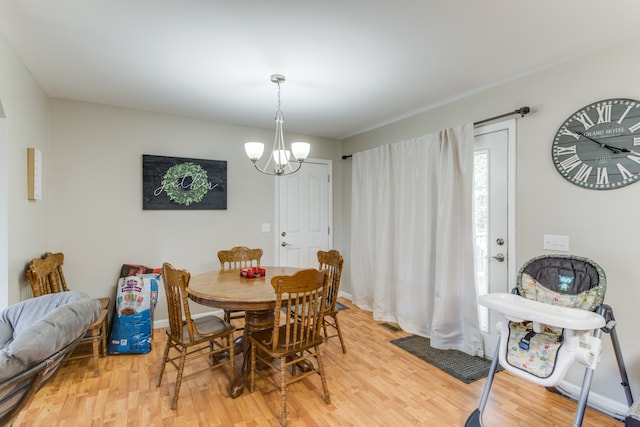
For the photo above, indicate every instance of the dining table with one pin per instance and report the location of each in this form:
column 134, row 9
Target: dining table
column 228, row 289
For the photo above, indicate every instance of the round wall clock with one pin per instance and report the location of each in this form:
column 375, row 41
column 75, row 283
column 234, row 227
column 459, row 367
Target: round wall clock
column 598, row 146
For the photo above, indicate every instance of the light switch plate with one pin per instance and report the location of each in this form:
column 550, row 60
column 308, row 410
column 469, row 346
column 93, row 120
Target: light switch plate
column 266, row 227
column 554, row 242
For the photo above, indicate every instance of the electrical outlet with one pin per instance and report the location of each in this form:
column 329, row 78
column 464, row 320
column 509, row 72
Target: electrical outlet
column 554, row 242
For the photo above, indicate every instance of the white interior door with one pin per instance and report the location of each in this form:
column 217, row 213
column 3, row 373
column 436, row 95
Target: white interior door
column 304, row 214
column 494, row 203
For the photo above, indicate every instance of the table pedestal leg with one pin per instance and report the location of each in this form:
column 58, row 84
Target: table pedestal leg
column 254, row 321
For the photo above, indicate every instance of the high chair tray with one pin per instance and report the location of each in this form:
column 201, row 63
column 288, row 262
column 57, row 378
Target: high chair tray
column 519, row 308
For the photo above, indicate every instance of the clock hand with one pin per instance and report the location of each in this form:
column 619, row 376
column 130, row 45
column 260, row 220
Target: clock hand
column 611, row 148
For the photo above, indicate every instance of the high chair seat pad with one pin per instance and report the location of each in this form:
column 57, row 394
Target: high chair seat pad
column 565, row 275
column 539, row 358
column 534, row 290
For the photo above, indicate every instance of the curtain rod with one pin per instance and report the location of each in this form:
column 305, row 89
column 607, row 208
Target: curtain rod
column 522, row 111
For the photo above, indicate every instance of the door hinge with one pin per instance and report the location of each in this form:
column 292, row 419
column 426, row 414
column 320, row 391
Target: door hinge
column 329, row 178
column 328, row 231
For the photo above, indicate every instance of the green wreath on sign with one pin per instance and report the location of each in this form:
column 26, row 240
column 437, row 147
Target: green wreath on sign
column 186, row 183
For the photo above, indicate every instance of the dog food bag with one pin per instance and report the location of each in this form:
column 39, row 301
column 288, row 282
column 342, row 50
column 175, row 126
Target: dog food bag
column 132, row 329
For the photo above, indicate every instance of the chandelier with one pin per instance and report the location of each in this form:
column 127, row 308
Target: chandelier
column 278, row 163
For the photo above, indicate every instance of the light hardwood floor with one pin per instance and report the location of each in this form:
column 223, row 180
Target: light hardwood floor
column 374, row 384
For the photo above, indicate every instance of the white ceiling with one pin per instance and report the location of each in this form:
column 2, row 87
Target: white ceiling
column 351, row 65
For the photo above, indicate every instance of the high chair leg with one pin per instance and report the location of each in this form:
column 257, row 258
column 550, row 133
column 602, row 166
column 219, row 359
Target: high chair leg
column 607, row 312
column 584, row 395
column 475, row 419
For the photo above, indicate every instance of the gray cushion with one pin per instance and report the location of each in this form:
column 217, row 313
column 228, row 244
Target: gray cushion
column 42, row 326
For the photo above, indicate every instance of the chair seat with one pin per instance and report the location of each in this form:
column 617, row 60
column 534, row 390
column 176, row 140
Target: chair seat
column 264, row 339
column 207, row 326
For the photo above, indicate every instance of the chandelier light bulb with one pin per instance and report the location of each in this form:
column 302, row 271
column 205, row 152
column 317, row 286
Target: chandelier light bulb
column 254, row 150
column 300, row 150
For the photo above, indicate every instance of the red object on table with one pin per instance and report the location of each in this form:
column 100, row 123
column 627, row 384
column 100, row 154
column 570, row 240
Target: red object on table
column 252, row 272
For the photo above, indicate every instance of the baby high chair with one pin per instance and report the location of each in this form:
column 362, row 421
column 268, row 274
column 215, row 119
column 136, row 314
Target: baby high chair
column 552, row 319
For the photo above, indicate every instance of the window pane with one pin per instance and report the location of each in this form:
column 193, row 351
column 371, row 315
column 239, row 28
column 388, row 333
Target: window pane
column 481, row 216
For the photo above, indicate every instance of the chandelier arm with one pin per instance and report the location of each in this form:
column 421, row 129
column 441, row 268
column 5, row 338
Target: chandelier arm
column 296, row 169
column 263, row 171
column 282, row 173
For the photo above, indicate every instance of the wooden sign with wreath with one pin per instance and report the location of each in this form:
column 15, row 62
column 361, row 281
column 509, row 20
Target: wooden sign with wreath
column 171, row 183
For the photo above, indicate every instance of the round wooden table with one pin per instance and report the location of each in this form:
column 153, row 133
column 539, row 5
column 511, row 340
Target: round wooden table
column 226, row 289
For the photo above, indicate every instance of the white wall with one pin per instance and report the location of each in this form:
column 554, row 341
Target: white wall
column 601, row 225
column 25, row 107
column 96, row 214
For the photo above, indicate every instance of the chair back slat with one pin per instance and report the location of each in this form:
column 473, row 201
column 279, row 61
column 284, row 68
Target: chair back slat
column 239, row 257
column 300, row 294
column 332, row 262
column 45, row 275
column 175, row 286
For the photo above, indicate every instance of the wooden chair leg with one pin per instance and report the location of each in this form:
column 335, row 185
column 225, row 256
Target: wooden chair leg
column 335, row 320
column 165, row 360
column 252, row 374
column 323, row 378
column 176, row 393
column 95, row 344
column 105, row 332
column 283, row 391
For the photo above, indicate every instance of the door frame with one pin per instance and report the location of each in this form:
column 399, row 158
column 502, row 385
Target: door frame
column 276, row 241
column 510, row 127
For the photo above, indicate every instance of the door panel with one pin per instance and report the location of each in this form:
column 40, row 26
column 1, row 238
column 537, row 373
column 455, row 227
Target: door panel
column 304, row 214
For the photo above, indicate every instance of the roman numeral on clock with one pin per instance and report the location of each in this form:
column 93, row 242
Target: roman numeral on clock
column 624, row 172
column 570, row 163
column 635, row 157
column 561, row 151
column 583, row 173
column 624, row 115
column 566, row 131
column 585, row 120
column 602, row 177
column 604, row 113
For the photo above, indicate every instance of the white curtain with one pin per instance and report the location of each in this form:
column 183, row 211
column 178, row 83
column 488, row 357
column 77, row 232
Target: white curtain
column 412, row 253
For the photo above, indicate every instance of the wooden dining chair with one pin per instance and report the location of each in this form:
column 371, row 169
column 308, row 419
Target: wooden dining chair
column 234, row 259
column 332, row 262
column 293, row 340
column 46, row 276
column 208, row 336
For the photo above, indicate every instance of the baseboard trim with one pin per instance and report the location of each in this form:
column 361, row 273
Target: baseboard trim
column 164, row 323
column 597, row 401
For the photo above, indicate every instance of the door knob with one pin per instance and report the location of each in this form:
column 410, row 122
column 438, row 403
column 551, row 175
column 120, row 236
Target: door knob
column 283, row 244
column 498, row 257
